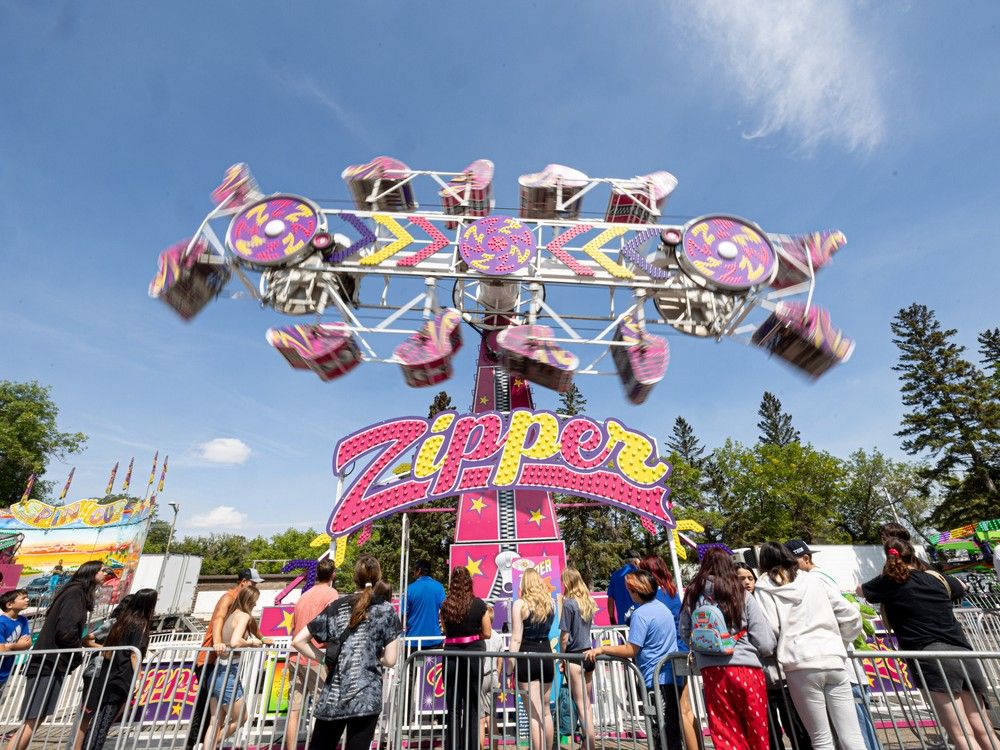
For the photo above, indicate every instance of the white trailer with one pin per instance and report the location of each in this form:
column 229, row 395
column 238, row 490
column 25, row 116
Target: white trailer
column 177, row 577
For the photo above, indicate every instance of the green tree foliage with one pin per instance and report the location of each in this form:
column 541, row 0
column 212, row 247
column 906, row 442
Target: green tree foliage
column 877, row 490
column 156, row 538
column 989, row 351
column 29, row 437
column 775, row 425
column 777, row 492
column 953, row 416
column 431, row 534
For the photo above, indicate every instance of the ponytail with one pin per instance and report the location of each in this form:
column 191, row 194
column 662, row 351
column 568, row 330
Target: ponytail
column 899, row 556
column 367, row 572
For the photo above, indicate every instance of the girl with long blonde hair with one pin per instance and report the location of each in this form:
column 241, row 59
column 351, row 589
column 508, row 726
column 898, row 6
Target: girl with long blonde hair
column 532, row 616
column 575, row 621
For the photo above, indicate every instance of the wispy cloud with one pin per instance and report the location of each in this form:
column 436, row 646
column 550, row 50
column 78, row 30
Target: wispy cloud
column 219, row 517
column 806, row 67
column 309, row 89
column 224, row 451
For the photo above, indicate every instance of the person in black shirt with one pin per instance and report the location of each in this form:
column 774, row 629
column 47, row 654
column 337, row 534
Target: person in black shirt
column 113, row 680
column 918, row 605
column 63, row 628
column 465, row 622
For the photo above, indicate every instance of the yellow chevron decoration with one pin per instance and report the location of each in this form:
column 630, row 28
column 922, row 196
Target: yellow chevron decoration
column 686, row 524
column 403, row 238
column 592, row 249
column 323, row 540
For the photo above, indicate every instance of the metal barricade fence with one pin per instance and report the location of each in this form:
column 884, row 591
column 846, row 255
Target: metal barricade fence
column 892, row 701
column 495, row 699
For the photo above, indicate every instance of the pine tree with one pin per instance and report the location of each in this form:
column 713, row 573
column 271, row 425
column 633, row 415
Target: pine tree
column 685, row 443
column 775, row 425
column 952, row 416
column 989, row 350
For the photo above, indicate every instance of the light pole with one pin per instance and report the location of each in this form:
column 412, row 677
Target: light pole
column 175, row 507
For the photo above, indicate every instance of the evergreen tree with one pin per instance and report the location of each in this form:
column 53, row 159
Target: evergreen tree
column 685, row 443
column 590, row 534
column 953, row 416
column 775, row 425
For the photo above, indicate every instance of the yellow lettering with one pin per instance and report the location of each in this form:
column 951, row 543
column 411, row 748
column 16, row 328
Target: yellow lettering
column 545, row 444
column 635, row 452
column 429, row 457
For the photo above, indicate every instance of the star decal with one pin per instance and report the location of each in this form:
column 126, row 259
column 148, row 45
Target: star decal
column 473, row 566
column 175, row 710
column 483, row 400
column 286, row 622
column 536, row 517
column 518, row 383
column 477, row 505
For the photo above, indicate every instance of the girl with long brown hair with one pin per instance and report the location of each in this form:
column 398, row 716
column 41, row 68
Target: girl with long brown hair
column 239, row 630
column 367, row 630
column 733, row 675
column 465, row 622
column 532, row 617
column 575, row 621
column 918, row 604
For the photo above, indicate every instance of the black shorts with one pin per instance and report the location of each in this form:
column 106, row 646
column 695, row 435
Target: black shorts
column 41, row 694
column 950, row 675
column 535, row 670
column 589, row 665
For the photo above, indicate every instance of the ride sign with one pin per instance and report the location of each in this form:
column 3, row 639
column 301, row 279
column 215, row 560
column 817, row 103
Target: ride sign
column 526, row 449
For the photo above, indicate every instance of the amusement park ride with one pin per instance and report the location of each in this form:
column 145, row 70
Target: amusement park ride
column 551, row 293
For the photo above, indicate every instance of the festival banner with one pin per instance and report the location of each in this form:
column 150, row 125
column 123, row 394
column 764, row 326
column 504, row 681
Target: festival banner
column 128, row 476
column 82, row 513
column 152, row 472
column 168, row 692
column 69, row 481
column 27, row 489
column 163, row 474
column 111, row 479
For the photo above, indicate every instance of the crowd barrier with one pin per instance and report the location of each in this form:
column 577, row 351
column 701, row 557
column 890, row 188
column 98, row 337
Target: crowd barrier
column 165, row 706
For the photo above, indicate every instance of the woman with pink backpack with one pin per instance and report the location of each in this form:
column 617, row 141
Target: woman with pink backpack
column 728, row 634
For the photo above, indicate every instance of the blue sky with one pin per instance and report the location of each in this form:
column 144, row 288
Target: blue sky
column 116, row 121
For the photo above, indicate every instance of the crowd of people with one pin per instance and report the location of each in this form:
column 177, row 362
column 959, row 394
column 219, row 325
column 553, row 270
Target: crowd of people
column 771, row 646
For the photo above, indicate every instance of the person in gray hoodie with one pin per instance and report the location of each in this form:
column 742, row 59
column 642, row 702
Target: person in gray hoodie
column 812, row 624
column 735, row 689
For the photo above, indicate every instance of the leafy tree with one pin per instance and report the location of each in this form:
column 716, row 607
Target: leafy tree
column 430, row 534
column 29, row 437
column 685, row 443
column 775, row 425
column 156, row 539
column 953, row 417
column 222, row 554
column 878, row 490
column 777, row 492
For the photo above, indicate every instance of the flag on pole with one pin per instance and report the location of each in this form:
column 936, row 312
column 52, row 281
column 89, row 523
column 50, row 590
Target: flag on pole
column 69, row 480
column 152, row 472
column 163, row 474
column 111, row 479
column 28, row 488
column 128, row 476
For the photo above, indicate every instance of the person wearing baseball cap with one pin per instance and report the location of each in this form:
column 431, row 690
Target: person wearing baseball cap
column 251, row 575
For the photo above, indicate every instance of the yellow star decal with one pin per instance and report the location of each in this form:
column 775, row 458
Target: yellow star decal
column 473, row 566
column 477, row 505
column 536, row 516
column 483, row 400
column 518, row 383
column 286, row 622
column 175, row 709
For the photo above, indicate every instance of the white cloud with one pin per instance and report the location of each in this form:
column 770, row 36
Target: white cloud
column 224, row 451
column 221, row 516
column 806, row 67
column 307, row 88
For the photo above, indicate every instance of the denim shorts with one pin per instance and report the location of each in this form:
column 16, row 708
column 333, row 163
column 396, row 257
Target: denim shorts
column 227, row 688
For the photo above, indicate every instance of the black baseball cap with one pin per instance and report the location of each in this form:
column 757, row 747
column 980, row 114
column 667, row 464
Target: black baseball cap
column 250, row 574
column 632, row 555
column 798, row 547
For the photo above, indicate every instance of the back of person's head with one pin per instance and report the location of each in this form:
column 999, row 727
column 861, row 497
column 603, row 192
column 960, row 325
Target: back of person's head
column 8, row 597
column 632, row 557
column 120, row 607
column 777, row 561
column 367, row 572
column 893, row 530
column 422, row 567
column 536, row 596
column 383, row 590
column 899, row 557
column 641, row 584
column 325, row 570
column 456, row 605
column 135, row 615
column 86, row 578
column 660, row 571
column 728, row 593
column 574, row 588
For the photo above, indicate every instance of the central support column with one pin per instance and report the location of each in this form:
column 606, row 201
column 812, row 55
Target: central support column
column 495, row 528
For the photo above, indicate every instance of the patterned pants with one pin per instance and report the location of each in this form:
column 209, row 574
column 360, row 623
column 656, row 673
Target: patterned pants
column 736, row 698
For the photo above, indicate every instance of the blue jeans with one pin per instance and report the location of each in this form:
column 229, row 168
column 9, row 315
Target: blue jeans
column 864, row 718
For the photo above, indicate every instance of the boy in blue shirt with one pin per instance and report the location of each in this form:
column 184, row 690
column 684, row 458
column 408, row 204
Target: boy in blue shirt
column 15, row 632
column 424, row 597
